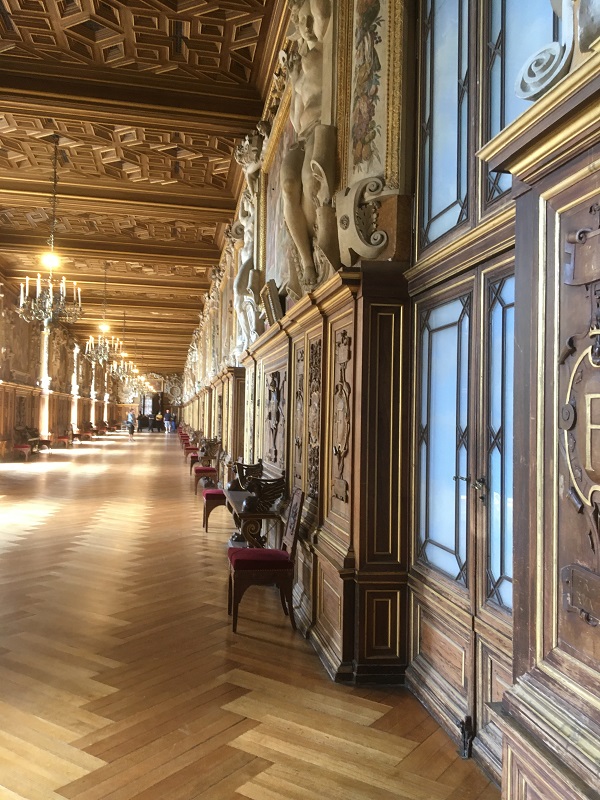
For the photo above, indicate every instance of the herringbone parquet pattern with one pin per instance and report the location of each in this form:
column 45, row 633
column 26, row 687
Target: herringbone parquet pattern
column 120, row 677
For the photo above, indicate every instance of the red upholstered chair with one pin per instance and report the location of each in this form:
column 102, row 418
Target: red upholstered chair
column 252, row 566
column 189, row 449
column 23, row 450
column 207, row 474
column 212, row 498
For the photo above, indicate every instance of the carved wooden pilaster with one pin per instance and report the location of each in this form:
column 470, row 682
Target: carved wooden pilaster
column 314, row 418
column 298, row 421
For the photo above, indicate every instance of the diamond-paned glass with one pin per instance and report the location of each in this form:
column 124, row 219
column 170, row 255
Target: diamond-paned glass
column 445, row 118
column 516, row 30
column 444, row 438
column 500, row 443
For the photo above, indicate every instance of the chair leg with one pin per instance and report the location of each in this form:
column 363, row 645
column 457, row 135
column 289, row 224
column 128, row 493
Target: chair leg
column 196, row 482
column 290, row 604
column 282, row 598
column 229, row 598
column 235, row 603
column 204, row 517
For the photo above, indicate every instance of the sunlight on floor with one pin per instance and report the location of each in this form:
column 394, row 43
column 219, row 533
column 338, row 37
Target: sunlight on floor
column 17, row 517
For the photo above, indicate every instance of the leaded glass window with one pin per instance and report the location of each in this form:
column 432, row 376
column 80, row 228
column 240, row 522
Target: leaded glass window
column 444, row 438
column 500, row 442
column 445, row 118
column 452, row 122
column 516, row 30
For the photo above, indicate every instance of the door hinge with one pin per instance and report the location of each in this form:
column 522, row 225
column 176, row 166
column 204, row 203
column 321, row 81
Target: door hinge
column 466, row 734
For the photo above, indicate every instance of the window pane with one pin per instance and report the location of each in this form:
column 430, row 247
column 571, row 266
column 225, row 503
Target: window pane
column 442, row 500
column 500, row 442
column 445, row 117
column 516, row 30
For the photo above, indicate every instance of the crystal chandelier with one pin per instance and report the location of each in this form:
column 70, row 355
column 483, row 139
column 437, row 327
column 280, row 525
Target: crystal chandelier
column 48, row 301
column 103, row 348
column 120, row 367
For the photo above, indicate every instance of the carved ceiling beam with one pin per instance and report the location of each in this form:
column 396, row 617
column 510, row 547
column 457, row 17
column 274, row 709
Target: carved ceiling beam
column 197, row 254
column 106, row 199
column 230, row 109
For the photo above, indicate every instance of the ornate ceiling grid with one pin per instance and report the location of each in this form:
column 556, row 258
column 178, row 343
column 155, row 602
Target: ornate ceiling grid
column 209, row 41
column 103, row 227
column 149, row 98
column 115, row 152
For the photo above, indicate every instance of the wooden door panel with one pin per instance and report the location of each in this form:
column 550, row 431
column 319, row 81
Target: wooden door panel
column 461, row 576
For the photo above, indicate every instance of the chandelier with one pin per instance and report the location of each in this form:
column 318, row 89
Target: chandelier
column 102, row 349
column 120, row 367
column 48, row 301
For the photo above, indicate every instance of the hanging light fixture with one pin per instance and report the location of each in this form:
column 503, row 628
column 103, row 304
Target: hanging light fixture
column 120, row 367
column 48, row 302
column 102, row 349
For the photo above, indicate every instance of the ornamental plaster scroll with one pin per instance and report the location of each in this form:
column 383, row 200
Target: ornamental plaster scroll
column 547, row 66
column 357, row 210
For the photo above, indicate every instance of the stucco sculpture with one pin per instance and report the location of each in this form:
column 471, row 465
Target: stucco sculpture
column 249, row 281
column 307, row 170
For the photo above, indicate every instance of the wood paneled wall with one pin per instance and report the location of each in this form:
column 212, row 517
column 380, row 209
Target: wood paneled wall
column 328, row 410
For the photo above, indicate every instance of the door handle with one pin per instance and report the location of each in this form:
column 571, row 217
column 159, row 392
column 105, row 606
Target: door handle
column 462, row 478
column 479, row 483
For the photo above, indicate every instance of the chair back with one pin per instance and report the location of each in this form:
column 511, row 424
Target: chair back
column 292, row 524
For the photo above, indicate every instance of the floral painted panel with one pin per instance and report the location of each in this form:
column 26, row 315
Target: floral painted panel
column 369, row 89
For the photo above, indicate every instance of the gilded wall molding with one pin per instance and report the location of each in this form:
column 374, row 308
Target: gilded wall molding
column 396, row 96
column 279, row 122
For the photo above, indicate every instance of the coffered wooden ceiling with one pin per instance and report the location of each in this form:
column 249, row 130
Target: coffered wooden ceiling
column 149, row 98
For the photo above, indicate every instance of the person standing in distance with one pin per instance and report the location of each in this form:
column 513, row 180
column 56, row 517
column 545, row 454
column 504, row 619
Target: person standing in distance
column 131, row 423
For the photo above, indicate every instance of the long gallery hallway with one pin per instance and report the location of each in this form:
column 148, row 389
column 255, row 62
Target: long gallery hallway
column 120, row 677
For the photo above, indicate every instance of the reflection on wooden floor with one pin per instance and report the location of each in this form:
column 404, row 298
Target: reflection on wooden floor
column 120, row 677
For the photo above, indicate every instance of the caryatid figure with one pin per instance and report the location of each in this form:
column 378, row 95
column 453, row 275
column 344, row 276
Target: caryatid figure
column 307, row 170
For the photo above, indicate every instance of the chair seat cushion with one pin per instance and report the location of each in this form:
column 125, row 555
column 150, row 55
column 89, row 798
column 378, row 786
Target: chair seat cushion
column 258, row 558
column 213, row 492
column 199, row 469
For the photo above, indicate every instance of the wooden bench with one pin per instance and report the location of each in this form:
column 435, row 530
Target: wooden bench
column 260, row 501
column 26, row 442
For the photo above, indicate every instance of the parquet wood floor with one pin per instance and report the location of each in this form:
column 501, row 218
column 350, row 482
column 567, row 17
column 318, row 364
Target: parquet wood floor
column 120, row 677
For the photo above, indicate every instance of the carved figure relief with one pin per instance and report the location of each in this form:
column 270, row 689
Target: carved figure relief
column 307, row 171
column 341, row 414
column 249, row 280
column 275, row 417
column 314, row 418
column 299, row 416
column 58, row 360
column 273, row 411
